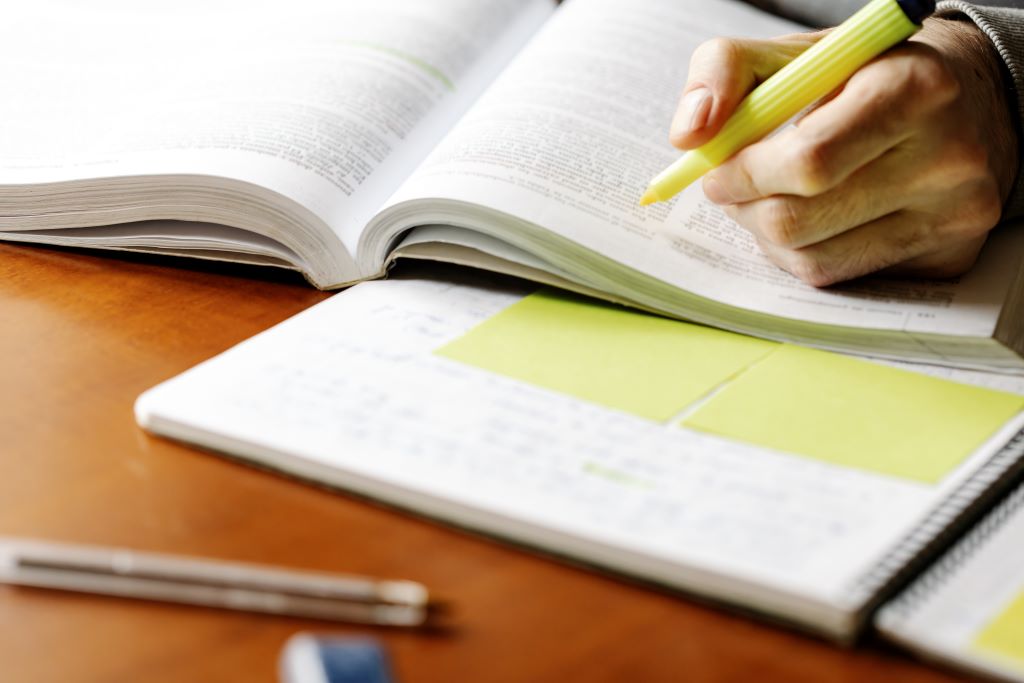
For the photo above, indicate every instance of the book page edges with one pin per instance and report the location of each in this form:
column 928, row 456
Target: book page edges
column 832, row 622
column 1010, row 325
column 457, row 254
column 1002, row 358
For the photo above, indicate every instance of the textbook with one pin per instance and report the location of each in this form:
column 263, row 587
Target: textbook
column 336, row 138
column 800, row 484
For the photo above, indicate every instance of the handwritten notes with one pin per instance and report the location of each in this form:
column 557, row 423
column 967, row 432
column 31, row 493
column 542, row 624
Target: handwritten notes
column 856, row 413
column 801, row 401
column 1004, row 637
column 608, row 355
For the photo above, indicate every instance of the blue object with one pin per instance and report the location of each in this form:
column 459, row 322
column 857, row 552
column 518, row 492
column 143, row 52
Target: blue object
column 319, row 659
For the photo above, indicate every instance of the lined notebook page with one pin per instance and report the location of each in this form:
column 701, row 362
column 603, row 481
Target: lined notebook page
column 969, row 608
column 354, row 392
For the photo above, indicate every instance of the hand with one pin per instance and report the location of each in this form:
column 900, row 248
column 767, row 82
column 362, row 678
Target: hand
column 905, row 169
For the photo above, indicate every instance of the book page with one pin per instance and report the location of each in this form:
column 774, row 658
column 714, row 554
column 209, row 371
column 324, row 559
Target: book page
column 574, row 130
column 328, row 103
column 366, row 392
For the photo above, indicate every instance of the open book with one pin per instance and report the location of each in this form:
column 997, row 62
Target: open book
column 335, row 137
column 651, row 447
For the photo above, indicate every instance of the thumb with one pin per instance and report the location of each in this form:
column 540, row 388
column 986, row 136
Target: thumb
column 722, row 72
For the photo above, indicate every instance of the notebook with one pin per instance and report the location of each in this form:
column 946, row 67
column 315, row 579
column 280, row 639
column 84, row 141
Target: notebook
column 655, row 448
column 968, row 609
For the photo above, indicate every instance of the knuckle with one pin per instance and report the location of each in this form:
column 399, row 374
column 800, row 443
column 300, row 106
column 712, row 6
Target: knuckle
column 780, row 222
column 984, row 208
column 967, row 160
column 991, row 212
column 932, row 79
column 954, row 267
column 743, row 177
column 810, row 270
column 738, row 216
column 719, row 50
column 973, row 210
column 811, row 168
column 948, row 262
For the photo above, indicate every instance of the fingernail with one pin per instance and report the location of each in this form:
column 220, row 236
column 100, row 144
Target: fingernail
column 714, row 191
column 694, row 111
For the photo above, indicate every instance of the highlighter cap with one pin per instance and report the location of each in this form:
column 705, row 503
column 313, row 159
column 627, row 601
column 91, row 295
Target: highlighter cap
column 917, row 10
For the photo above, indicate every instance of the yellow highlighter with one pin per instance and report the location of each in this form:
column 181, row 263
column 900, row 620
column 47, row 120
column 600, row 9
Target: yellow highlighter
column 815, row 73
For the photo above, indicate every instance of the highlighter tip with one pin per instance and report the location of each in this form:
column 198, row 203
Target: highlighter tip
column 648, row 198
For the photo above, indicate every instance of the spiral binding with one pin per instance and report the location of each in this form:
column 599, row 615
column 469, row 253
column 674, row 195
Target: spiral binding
column 902, row 560
column 936, row 576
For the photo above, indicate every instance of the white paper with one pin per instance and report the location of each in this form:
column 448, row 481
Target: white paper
column 327, row 103
column 352, row 387
column 574, row 130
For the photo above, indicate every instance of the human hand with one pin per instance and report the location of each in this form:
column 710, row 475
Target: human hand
column 905, row 169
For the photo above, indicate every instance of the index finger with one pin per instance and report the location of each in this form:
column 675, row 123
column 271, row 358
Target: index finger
column 722, row 72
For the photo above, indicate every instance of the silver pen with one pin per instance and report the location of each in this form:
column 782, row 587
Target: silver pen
column 213, row 583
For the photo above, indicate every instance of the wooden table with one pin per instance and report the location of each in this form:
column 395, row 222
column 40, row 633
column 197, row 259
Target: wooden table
column 83, row 335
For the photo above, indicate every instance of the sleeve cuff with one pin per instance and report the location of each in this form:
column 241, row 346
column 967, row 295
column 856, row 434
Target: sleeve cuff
column 1005, row 28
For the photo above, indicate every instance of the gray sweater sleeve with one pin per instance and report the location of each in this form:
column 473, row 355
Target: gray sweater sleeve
column 1004, row 26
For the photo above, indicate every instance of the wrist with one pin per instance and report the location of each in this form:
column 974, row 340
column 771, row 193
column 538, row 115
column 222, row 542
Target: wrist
column 986, row 88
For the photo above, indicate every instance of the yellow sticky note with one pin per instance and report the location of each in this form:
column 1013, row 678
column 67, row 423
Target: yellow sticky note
column 638, row 363
column 856, row 413
column 1004, row 637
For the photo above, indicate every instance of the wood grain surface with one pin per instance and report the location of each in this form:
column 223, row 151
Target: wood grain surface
column 84, row 334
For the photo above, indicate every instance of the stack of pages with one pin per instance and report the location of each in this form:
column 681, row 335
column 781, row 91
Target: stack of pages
column 335, row 137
